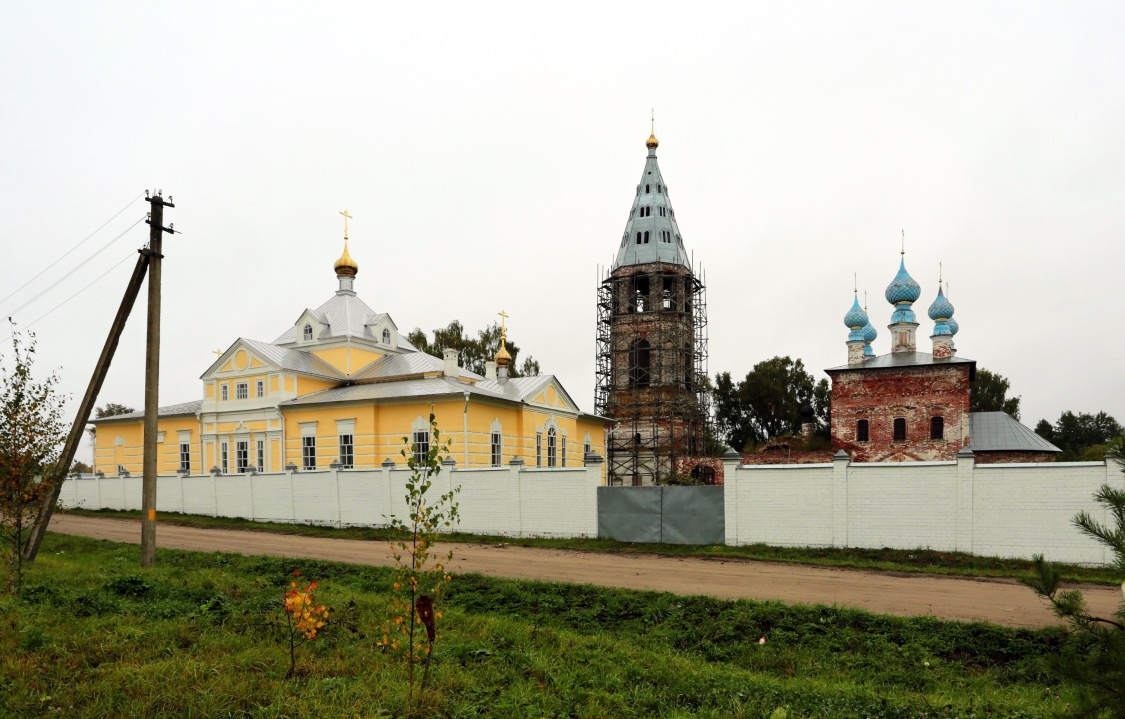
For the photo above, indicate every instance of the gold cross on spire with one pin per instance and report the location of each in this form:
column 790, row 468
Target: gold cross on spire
column 346, row 218
column 503, row 316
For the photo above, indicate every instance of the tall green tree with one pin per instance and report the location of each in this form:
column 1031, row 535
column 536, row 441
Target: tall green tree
column 1094, row 659
column 472, row 352
column 989, row 393
column 1080, row 435
column 767, row 403
column 31, row 435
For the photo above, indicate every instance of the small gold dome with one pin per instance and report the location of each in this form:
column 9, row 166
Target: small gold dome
column 652, row 142
column 503, row 358
column 346, row 265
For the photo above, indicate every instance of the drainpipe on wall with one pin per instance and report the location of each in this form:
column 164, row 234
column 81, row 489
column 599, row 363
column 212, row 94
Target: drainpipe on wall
column 465, row 430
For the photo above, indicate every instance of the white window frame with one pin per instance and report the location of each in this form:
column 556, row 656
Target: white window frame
column 242, row 456
column 308, row 451
column 347, row 451
column 538, row 449
column 307, row 333
column 260, row 450
column 420, row 443
column 224, row 392
column 562, row 452
column 224, row 449
column 260, row 388
column 185, row 456
column 552, row 447
column 242, row 390
column 497, row 449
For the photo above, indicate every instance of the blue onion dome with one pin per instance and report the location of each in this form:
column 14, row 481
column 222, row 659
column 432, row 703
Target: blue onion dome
column 941, row 309
column 903, row 288
column 869, row 333
column 856, row 318
column 953, row 326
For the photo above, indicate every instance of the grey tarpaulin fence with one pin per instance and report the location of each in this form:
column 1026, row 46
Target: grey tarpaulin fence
column 672, row 515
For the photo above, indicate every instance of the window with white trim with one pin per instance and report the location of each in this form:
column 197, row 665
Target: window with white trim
column 347, row 451
column 224, row 465
column 260, row 388
column 552, row 447
column 224, row 393
column 308, row 451
column 421, row 446
column 386, row 336
column 308, row 333
column 242, row 390
column 538, row 449
column 185, row 457
column 242, row 456
column 261, row 451
column 496, row 449
column 562, row 454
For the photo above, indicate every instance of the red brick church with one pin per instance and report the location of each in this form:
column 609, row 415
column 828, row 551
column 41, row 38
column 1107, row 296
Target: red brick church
column 914, row 406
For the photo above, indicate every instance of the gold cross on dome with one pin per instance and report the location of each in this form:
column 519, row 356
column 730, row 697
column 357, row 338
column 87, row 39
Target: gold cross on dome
column 346, row 218
column 503, row 316
column 217, row 353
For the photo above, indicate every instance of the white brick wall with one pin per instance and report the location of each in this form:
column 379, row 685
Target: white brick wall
column 508, row 501
column 1002, row 510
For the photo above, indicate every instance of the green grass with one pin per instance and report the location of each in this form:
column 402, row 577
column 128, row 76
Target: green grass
column 895, row 560
column 95, row 636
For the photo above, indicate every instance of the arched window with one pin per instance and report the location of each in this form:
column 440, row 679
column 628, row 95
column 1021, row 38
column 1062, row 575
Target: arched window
column 646, row 237
column 386, row 336
column 861, row 431
column 937, row 428
column 900, row 429
column 704, row 473
column 552, row 447
column 639, row 363
column 648, row 189
column 638, row 238
column 308, row 333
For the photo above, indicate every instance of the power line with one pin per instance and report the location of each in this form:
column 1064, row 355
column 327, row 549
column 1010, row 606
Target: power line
column 68, row 299
column 72, row 249
column 76, row 268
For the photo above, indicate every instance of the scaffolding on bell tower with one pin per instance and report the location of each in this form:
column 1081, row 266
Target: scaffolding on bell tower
column 651, row 370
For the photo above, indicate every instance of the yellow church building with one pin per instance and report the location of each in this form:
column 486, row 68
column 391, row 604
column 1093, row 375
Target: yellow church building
column 341, row 388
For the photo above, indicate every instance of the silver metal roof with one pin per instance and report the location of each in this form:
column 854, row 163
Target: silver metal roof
column 659, row 220
column 999, row 431
column 905, row 359
column 407, row 364
column 292, row 359
column 171, row 410
column 425, row 387
column 346, row 315
column 516, row 388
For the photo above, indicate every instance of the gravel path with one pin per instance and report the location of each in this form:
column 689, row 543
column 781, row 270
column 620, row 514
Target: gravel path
column 1001, row 601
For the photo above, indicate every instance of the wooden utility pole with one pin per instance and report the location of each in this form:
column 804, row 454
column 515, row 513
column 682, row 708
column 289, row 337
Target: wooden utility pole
column 87, row 405
column 152, row 377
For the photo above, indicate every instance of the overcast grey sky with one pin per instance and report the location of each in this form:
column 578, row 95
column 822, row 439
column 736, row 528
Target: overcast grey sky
column 489, row 155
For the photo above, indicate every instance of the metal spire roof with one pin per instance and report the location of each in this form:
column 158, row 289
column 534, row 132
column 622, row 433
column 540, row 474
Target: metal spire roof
column 651, row 234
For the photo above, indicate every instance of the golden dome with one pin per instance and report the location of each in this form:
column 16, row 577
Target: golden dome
column 346, row 265
column 652, row 142
column 503, row 358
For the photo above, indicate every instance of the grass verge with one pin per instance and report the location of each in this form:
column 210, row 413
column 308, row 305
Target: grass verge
column 94, row 636
column 895, row 560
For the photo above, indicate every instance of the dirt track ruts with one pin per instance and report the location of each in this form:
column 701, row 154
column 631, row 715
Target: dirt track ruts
column 1002, row 601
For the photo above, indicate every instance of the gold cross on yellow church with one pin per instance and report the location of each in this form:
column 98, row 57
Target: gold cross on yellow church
column 341, row 388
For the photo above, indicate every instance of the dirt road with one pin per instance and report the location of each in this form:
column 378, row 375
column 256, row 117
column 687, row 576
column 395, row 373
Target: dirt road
column 995, row 600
